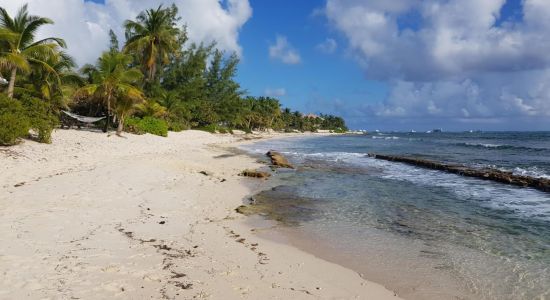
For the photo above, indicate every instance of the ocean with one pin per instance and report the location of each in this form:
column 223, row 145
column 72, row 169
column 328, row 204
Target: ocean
column 425, row 234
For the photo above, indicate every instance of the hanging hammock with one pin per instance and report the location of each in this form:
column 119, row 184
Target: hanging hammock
column 83, row 119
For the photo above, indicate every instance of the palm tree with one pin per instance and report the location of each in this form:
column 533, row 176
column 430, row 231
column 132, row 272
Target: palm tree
column 18, row 47
column 153, row 36
column 55, row 83
column 115, row 84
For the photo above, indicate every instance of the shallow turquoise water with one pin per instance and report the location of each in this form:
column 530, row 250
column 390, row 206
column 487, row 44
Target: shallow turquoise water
column 456, row 236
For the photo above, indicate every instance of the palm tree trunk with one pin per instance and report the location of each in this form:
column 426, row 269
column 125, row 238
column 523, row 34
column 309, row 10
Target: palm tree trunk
column 120, row 125
column 11, row 85
column 152, row 72
column 108, row 113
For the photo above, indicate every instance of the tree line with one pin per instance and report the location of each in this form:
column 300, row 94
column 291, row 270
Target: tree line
column 155, row 81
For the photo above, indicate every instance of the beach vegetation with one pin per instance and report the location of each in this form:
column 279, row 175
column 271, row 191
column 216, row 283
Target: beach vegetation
column 42, row 117
column 14, row 120
column 20, row 51
column 154, row 38
column 114, row 84
column 155, row 80
column 144, row 125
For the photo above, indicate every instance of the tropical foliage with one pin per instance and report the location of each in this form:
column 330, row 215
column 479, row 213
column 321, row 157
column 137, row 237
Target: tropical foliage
column 155, row 82
column 19, row 49
column 13, row 118
column 113, row 84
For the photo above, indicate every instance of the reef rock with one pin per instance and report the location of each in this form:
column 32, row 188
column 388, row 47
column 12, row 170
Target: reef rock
column 542, row 184
column 255, row 174
column 278, row 160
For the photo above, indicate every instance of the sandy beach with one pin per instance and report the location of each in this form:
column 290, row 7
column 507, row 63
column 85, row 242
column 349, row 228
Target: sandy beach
column 93, row 216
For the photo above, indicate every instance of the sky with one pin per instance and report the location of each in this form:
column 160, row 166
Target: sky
column 388, row 65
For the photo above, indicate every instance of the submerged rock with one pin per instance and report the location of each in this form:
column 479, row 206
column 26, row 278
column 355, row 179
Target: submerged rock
column 249, row 210
column 281, row 204
column 277, row 159
column 542, row 184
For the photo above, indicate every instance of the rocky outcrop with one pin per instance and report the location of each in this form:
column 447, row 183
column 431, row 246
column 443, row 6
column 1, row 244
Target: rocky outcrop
column 278, row 160
column 542, row 184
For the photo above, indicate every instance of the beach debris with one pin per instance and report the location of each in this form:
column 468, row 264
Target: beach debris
column 227, row 155
column 255, row 174
column 162, row 247
column 19, row 184
column 181, row 285
column 177, row 274
column 162, row 222
column 277, row 159
column 206, row 173
column 540, row 183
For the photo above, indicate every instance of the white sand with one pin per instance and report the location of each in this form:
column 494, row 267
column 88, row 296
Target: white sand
column 80, row 219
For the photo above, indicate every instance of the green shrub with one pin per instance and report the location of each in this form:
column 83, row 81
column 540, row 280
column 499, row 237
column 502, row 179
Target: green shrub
column 146, row 125
column 212, row 128
column 131, row 125
column 176, row 125
column 14, row 122
column 224, row 130
column 340, row 130
column 41, row 116
column 208, row 128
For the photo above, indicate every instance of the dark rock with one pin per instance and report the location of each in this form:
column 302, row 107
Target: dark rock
column 206, row 173
column 255, row 174
column 542, row 184
column 277, row 159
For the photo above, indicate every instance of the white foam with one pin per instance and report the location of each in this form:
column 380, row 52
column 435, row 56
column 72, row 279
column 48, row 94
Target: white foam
column 524, row 201
column 386, row 137
column 527, row 202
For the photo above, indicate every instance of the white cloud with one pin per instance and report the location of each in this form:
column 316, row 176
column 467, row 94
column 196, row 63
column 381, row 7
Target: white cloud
column 459, row 59
column 282, row 50
column 328, row 46
column 279, row 92
column 85, row 25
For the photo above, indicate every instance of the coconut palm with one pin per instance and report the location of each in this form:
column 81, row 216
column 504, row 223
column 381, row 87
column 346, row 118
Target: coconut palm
column 19, row 50
column 153, row 37
column 54, row 84
column 114, row 84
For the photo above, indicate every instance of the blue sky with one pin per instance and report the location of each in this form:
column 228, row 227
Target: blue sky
column 389, row 65
column 319, row 77
column 329, row 82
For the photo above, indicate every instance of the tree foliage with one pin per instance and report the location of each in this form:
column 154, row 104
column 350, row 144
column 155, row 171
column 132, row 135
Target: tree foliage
column 19, row 49
column 157, row 77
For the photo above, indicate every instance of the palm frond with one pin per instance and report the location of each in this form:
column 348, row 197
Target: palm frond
column 50, row 40
column 29, row 31
column 18, row 61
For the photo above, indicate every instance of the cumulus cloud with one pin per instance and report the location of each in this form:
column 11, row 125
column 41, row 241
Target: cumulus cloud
column 460, row 59
column 85, row 25
column 328, row 46
column 283, row 51
column 278, row 92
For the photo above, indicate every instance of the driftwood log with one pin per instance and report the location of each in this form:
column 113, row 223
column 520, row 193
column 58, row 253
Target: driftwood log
column 542, row 184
